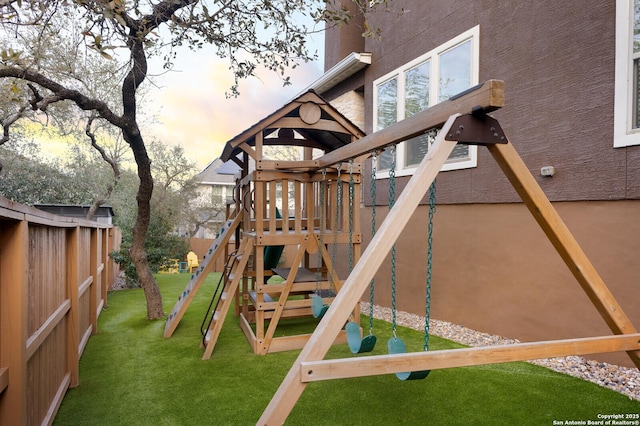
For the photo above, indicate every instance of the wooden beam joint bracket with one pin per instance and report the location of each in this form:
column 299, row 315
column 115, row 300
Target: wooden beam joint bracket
column 476, row 128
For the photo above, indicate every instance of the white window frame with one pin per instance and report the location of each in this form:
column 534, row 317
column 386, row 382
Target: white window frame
column 472, row 35
column 623, row 132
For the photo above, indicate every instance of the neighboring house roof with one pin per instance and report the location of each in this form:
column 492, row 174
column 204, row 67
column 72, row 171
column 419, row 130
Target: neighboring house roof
column 76, row 210
column 310, row 116
column 219, row 172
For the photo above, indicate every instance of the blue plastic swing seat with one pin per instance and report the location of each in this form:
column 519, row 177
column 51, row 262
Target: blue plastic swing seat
column 318, row 308
column 358, row 345
column 395, row 345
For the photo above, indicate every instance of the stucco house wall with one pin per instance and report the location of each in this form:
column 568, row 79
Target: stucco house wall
column 494, row 270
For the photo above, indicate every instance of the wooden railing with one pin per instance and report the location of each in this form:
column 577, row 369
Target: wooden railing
column 54, row 277
column 294, row 203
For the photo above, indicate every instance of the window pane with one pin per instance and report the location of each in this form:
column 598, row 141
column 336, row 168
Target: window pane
column 459, row 153
column 387, row 114
column 385, row 159
column 216, row 195
column 455, row 70
column 416, row 89
column 415, row 149
column 387, row 103
column 416, row 100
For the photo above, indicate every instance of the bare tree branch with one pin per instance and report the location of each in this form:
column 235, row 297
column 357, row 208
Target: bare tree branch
column 6, row 124
column 62, row 93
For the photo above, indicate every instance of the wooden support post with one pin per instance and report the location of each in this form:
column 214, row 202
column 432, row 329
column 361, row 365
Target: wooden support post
column 73, row 317
column 94, row 294
column 14, row 263
column 104, row 260
column 110, row 275
column 563, row 241
column 258, row 281
column 338, row 313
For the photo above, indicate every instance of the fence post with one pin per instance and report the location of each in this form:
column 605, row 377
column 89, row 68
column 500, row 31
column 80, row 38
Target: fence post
column 14, row 260
column 73, row 320
column 94, row 270
column 111, row 238
column 104, row 259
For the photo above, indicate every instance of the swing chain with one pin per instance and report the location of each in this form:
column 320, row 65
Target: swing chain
column 392, row 200
column 432, row 211
column 323, row 185
column 372, row 192
column 334, row 249
column 351, row 207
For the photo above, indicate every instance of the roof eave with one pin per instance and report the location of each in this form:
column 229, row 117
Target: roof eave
column 344, row 69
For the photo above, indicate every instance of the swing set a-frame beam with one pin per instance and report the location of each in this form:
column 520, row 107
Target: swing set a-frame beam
column 455, row 129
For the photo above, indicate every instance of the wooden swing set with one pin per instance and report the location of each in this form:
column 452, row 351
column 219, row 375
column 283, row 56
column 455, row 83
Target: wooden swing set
column 474, row 126
column 298, row 204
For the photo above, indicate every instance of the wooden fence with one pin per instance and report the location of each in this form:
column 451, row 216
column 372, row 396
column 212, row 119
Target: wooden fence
column 54, row 277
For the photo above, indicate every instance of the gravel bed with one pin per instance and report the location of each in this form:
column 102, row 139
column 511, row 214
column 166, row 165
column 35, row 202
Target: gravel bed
column 620, row 379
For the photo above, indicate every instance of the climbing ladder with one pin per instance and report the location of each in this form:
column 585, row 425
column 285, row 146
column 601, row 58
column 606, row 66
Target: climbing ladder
column 216, row 297
column 217, row 248
column 239, row 263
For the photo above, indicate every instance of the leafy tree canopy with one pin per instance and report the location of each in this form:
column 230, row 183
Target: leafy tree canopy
column 85, row 61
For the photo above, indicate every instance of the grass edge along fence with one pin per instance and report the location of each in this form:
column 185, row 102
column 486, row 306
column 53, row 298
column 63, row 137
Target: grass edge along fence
column 54, row 275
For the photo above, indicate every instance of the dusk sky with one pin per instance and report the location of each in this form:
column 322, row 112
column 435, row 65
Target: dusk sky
column 192, row 109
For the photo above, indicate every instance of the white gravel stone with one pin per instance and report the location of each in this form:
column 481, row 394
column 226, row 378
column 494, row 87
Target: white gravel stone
column 620, row 379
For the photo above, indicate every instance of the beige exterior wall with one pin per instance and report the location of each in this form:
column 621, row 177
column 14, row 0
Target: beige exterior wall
column 351, row 105
column 495, row 271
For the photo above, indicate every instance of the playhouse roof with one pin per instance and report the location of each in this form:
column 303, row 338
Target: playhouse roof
column 306, row 121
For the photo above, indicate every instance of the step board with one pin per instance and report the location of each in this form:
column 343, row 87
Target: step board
column 254, row 297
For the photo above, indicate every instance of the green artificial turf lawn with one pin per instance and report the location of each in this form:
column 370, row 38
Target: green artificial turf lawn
column 131, row 375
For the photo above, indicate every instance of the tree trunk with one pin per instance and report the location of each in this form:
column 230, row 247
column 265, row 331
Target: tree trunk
column 93, row 209
column 131, row 134
column 138, row 253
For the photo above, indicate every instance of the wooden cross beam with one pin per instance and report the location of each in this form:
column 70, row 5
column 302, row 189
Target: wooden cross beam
column 486, row 97
column 313, row 371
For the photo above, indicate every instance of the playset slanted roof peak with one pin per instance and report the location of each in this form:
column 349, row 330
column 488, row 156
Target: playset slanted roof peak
column 307, row 121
